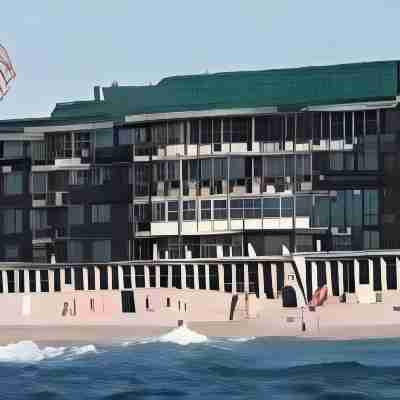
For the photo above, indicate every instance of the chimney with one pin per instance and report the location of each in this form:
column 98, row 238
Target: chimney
column 97, row 93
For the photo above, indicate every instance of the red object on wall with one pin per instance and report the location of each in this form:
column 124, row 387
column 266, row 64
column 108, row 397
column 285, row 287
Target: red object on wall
column 7, row 72
column 319, row 296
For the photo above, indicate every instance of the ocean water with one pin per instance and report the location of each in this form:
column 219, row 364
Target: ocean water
column 185, row 365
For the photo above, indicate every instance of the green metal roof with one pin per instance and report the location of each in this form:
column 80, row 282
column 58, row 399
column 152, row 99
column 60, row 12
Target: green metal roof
column 285, row 88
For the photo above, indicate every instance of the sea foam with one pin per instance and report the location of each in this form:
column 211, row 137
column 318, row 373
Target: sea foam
column 183, row 336
column 27, row 351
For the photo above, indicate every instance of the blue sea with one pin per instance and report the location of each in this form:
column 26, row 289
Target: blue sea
column 245, row 368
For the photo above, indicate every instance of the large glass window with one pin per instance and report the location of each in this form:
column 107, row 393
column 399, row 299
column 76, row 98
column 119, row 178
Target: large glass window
column 101, row 213
column 76, row 214
column 271, row 207
column 321, row 212
column 101, row 250
column 206, row 209
column 252, row 208
column 237, row 209
column 13, row 183
column 13, row 149
column 11, row 252
column 370, row 207
column 220, row 209
column 189, row 210
column 75, row 251
column 158, row 212
column 39, row 219
column 39, row 182
column 173, row 211
column 12, row 221
column 287, row 207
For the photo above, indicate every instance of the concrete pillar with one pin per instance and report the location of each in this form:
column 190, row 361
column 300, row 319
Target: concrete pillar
column 383, row 274
column 158, row 276
column 72, row 278
column 146, row 276
column 37, row 275
column 196, row 276
column 246, row 278
column 170, row 276
column 26, row 280
column 234, row 287
column 221, row 277
column 85, row 278
column 340, row 277
column 207, row 274
column 183, row 276
column 261, row 290
column 328, row 272
column 96, row 277
column 51, row 280
column 16, row 281
column 109, row 277
column 371, row 273
column 62, row 279
column 398, row 272
column 274, row 279
column 120, row 277
column 5, row 281
column 356, row 274
column 314, row 277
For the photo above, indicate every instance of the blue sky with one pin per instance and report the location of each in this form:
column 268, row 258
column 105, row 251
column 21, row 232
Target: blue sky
column 61, row 49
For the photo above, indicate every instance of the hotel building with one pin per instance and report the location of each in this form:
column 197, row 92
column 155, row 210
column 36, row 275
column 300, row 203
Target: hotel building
column 236, row 182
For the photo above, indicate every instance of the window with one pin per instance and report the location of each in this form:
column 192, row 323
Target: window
column 21, row 280
column 159, row 212
column 100, row 175
column 32, row 281
column 101, row 250
column 172, row 211
column 371, row 240
column 206, row 209
column 101, row 213
column 39, row 182
column 237, row 209
column 303, row 206
column 68, row 276
column 125, row 136
column 78, row 276
column 44, row 280
column 75, row 251
column 189, row 276
column 271, row 208
column 220, row 209
column 11, row 221
column 128, row 301
column 104, row 138
column 13, row 150
column 39, row 219
column 321, row 212
column 139, row 276
column 126, row 273
column 189, row 210
column 76, row 214
column 370, row 207
column 11, row 252
column 11, row 281
column 287, row 207
column 252, row 208
column 13, row 183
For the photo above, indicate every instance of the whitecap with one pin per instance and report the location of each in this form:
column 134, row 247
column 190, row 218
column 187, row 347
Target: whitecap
column 183, row 336
column 27, row 351
column 78, row 351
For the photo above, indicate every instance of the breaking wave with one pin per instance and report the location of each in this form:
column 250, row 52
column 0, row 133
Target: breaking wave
column 27, row 351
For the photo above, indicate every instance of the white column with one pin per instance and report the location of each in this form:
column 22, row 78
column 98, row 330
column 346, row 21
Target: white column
column 5, row 281
column 340, row 277
column 146, row 276
column 234, row 288
column 22, row 289
column 170, row 276
column 398, row 272
column 183, row 276
column 85, row 278
column 26, row 281
column 371, row 273
column 196, row 276
column 328, row 272
column 72, row 278
column 274, row 279
column 62, row 279
column 51, row 280
column 221, row 277
column 383, row 274
column 37, row 274
column 96, row 277
column 109, row 277
column 207, row 274
column 261, row 281
column 16, row 280
column 120, row 277
column 246, row 278
column 356, row 274
column 314, row 277
column 158, row 276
